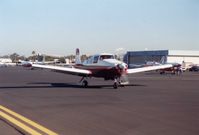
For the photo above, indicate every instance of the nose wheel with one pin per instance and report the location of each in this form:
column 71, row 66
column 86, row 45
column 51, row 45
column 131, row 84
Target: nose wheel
column 115, row 85
column 120, row 82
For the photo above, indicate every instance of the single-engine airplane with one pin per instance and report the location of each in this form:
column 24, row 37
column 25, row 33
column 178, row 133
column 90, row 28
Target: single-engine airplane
column 102, row 65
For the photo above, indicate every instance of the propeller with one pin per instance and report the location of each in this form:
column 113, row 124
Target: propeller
column 123, row 78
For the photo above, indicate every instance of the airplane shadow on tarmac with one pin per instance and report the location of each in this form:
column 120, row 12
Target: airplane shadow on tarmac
column 63, row 85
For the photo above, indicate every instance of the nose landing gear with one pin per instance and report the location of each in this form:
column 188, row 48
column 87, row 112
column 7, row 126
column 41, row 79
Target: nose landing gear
column 120, row 82
column 115, row 85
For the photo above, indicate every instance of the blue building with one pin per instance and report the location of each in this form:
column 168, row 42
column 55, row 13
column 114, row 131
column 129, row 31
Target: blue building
column 133, row 58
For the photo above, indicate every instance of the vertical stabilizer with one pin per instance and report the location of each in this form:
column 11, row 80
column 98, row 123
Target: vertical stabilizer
column 163, row 60
column 77, row 57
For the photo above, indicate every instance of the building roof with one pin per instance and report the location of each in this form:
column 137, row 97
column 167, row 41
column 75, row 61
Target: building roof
column 148, row 53
column 164, row 53
column 183, row 53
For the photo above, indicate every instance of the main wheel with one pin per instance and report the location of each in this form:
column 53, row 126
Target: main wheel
column 85, row 83
column 115, row 85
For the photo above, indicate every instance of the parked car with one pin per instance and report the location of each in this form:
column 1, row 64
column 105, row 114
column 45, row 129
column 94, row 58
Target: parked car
column 194, row 69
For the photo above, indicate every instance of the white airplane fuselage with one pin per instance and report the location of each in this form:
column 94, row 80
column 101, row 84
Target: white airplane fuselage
column 104, row 66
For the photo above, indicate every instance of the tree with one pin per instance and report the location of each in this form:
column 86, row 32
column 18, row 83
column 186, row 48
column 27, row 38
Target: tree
column 84, row 57
column 71, row 58
column 62, row 60
column 33, row 55
column 22, row 58
column 14, row 57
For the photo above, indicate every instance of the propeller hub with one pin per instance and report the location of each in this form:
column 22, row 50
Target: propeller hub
column 122, row 68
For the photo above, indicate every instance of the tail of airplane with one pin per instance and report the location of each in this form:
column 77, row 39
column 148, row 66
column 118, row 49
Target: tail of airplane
column 163, row 60
column 77, row 57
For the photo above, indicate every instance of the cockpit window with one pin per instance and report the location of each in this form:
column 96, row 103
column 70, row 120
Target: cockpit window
column 106, row 57
column 95, row 59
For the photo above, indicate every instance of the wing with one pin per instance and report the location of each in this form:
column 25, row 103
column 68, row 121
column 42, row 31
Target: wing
column 67, row 70
column 149, row 68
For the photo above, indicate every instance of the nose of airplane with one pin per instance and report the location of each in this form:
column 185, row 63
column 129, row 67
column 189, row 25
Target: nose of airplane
column 122, row 67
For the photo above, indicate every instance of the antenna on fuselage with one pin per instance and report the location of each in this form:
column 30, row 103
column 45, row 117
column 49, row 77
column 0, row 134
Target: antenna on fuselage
column 77, row 57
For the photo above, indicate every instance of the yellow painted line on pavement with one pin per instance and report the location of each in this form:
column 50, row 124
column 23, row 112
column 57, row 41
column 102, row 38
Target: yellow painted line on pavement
column 32, row 123
column 19, row 124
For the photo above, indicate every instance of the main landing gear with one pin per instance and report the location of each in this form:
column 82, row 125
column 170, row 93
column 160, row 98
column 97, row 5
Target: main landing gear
column 84, row 82
column 117, row 82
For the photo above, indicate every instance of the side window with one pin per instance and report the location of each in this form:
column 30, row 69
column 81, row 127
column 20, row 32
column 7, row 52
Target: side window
column 95, row 59
column 89, row 61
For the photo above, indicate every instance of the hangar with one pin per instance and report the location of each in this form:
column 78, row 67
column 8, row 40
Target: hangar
column 184, row 57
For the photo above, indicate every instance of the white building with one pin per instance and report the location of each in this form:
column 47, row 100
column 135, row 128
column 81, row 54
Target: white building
column 179, row 56
column 5, row 60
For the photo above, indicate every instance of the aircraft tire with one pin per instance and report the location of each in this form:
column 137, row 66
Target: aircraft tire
column 115, row 85
column 85, row 83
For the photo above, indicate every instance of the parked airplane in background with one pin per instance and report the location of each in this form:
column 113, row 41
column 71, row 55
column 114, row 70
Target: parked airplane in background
column 2, row 64
column 102, row 65
column 26, row 63
column 6, row 62
column 175, row 69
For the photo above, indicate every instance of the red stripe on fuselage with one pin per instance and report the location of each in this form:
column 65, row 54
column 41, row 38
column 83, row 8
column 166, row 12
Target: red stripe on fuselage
column 105, row 72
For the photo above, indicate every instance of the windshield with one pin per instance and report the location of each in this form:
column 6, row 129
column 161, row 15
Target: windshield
column 106, row 57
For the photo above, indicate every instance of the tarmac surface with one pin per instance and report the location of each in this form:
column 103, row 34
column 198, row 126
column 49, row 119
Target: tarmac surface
column 152, row 104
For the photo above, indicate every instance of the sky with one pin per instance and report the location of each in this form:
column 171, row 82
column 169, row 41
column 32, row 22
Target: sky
column 60, row 26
